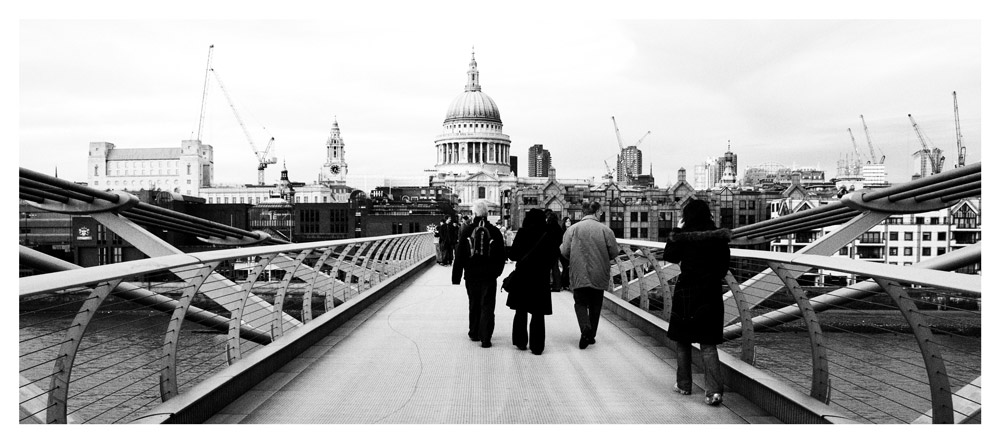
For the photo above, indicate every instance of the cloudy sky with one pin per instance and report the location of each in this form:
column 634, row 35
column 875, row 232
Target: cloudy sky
column 780, row 91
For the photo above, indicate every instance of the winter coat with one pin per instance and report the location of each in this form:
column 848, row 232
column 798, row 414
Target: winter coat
column 452, row 234
column 698, row 312
column 447, row 233
column 590, row 246
column 478, row 268
column 533, row 269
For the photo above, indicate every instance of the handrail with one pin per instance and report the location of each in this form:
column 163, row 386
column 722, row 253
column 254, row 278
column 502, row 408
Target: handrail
column 893, row 282
column 75, row 355
column 38, row 284
column 970, row 284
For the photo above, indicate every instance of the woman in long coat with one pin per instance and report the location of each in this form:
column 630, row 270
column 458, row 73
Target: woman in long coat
column 533, row 267
column 702, row 251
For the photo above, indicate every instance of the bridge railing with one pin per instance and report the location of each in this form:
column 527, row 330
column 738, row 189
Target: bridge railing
column 881, row 343
column 104, row 344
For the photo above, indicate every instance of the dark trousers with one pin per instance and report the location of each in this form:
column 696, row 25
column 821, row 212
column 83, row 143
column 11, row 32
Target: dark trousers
column 482, row 303
column 710, row 361
column 521, row 331
column 555, row 280
column 449, row 254
column 587, row 303
column 565, row 272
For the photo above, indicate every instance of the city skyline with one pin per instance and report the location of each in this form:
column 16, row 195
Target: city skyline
column 778, row 91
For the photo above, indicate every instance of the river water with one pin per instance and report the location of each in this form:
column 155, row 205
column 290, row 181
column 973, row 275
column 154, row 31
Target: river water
column 877, row 378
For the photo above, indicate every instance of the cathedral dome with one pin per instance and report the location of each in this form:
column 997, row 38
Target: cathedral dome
column 473, row 104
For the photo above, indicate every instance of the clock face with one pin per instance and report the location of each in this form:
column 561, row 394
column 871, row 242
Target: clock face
column 335, row 169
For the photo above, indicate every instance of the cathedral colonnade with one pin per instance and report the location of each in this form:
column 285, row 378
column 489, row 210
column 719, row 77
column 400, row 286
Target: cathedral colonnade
column 473, row 152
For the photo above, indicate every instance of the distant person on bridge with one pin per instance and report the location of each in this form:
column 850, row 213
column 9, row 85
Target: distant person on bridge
column 702, row 251
column 446, row 234
column 590, row 246
column 480, row 255
column 535, row 249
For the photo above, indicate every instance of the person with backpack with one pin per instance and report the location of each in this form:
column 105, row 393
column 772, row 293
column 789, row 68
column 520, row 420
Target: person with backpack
column 590, row 246
column 480, row 256
column 535, row 249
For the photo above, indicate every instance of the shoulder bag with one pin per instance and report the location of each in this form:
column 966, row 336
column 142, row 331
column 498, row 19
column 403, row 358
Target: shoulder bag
column 513, row 282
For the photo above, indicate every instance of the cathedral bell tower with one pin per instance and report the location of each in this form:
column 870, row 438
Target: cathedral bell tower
column 335, row 168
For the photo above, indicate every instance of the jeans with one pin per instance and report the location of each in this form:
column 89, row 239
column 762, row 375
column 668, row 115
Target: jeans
column 710, row 361
column 521, row 331
column 587, row 303
column 482, row 303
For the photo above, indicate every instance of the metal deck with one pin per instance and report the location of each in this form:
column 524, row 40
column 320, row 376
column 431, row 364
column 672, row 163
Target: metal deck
column 407, row 359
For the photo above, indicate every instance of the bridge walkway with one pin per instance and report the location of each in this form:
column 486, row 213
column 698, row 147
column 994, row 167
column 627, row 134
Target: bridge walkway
column 407, row 359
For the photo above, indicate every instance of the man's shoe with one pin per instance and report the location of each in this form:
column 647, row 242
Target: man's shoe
column 486, row 344
column 584, row 342
column 536, row 352
column 681, row 391
column 592, row 340
column 473, row 337
column 522, row 347
column 713, row 400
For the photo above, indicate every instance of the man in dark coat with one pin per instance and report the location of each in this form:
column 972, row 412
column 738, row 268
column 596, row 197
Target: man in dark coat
column 697, row 311
column 449, row 237
column 535, row 249
column 481, row 273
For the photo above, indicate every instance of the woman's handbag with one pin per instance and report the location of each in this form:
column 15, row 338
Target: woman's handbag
column 513, row 283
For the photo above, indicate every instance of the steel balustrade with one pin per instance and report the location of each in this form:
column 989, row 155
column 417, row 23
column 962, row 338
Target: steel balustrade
column 775, row 292
column 872, row 280
column 59, row 347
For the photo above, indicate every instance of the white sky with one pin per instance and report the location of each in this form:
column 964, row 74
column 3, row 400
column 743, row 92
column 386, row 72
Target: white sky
column 782, row 91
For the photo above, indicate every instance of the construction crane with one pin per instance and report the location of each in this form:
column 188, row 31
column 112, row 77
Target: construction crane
column 610, row 176
column 621, row 146
column 958, row 134
column 204, row 91
column 262, row 160
column 926, row 153
column 856, row 153
column 618, row 134
column 870, row 145
column 642, row 138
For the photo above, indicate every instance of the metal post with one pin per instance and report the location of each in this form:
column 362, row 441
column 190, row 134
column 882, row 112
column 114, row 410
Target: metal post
column 63, row 368
column 233, row 352
column 277, row 326
column 937, row 375
column 820, row 365
column 168, row 370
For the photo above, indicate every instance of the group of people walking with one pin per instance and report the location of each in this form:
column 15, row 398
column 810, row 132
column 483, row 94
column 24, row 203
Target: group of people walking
column 585, row 251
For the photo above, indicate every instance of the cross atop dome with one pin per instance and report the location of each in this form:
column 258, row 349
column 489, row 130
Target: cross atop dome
column 473, row 84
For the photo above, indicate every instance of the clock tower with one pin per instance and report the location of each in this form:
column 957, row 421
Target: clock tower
column 335, row 168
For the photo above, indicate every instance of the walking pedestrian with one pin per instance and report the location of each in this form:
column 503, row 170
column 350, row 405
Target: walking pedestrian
column 445, row 234
column 451, row 240
column 590, row 246
column 552, row 221
column 563, row 261
column 480, row 256
column 535, row 249
column 702, row 250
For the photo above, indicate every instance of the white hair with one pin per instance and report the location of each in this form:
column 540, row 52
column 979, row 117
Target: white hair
column 480, row 208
